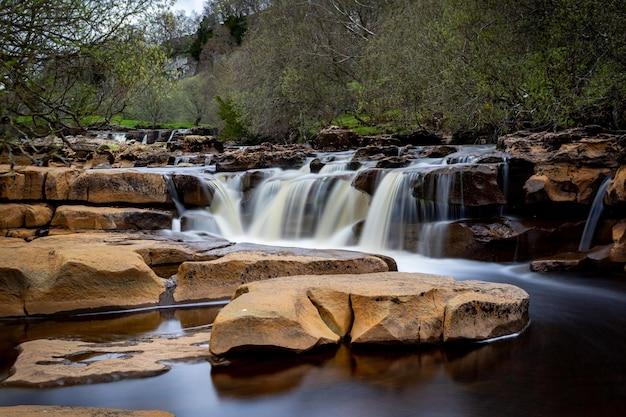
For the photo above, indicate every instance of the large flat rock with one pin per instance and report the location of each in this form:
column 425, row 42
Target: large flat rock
column 90, row 271
column 24, row 215
column 303, row 312
column 54, row 411
column 55, row 362
column 219, row 278
column 111, row 218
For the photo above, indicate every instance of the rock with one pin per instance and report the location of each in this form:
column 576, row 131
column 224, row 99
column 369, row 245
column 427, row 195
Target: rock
column 335, row 139
column 110, row 187
column 218, row 279
column 55, row 362
column 111, row 218
column 316, row 165
column 507, row 240
column 23, row 183
column 579, row 146
column 368, row 179
column 616, row 193
column 24, row 215
column 379, row 141
column 419, row 138
column 569, row 261
column 55, row 411
column 300, row 313
column 432, row 151
column 394, row 162
column 193, row 190
column 203, row 144
column 375, row 153
column 469, row 185
column 143, row 156
column 264, row 156
column 59, row 182
column 564, row 183
column 87, row 271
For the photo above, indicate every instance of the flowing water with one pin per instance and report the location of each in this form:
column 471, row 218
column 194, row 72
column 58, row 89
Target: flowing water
column 570, row 361
column 594, row 217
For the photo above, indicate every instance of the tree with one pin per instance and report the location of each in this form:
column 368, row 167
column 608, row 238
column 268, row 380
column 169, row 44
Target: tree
column 63, row 59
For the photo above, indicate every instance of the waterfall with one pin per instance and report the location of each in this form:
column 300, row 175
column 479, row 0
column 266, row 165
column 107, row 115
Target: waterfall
column 144, row 141
column 346, row 206
column 171, row 189
column 594, row 217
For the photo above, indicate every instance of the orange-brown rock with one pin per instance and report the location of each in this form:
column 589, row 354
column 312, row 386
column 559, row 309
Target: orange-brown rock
column 302, row 312
column 23, row 183
column 616, row 193
column 564, row 183
column 218, row 279
column 24, row 215
column 111, row 218
column 56, row 411
column 112, row 186
column 54, row 362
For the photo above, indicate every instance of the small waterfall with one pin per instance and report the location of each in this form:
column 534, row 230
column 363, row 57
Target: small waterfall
column 594, row 217
column 174, row 131
column 346, row 206
column 171, row 189
column 144, row 141
column 392, row 212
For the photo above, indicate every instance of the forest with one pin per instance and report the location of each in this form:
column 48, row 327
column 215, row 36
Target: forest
column 280, row 70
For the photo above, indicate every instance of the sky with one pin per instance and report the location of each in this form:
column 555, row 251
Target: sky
column 189, row 5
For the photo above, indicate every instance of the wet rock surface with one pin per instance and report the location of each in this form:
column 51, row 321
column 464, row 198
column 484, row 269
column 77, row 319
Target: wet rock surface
column 218, row 279
column 383, row 308
column 54, row 411
column 55, row 362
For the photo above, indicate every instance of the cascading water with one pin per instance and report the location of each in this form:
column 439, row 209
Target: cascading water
column 411, row 208
column 594, row 217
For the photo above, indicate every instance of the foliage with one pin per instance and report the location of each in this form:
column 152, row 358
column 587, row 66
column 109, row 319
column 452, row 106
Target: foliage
column 231, row 118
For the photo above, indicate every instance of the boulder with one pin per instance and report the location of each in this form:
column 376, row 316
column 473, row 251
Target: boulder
column 569, row 261
column 24, row 215
column 368, row 179
column 218, row 279
column 57, row 362
column 335, row 139
column 394, row 162
column 564, row 183
column 300, row 313
column 142, row 156
column 440, row 151
column 419, row 138
column 193, row 190
column 468, row 185
column 316, row 165
column 616, row 193
column 56, row 411
column 111, row 218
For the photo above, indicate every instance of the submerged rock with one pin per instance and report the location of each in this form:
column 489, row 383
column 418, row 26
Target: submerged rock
column 56, row 411
column 304, row 312
column 218, row 279
column 55, row 362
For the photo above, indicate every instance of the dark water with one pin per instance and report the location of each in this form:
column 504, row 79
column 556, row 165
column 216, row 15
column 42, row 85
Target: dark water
column 571, row 361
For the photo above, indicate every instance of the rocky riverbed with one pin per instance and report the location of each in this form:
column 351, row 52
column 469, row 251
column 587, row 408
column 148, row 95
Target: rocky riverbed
column 303, row 240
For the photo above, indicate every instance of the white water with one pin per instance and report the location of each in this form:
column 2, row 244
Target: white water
column 594, row 217
column 324, row 210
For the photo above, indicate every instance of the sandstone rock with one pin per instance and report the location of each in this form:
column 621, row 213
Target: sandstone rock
column 375, row 153
column 204, row 144
column 334, row 139
column 367, row 180
column 113, row 186
column 111, row 218
column 55, row 362
column 193, row 190
column 564, row 183
column 264, row 156
column 300, row 313
column 59, row 182
column 55, row 411
column 419, row 138
column 469, row 185
column 90, row 271
column 432, row 151
column 218, row 279
column 616, row 193
column 24, row 215
column 23, row 183
column 394, row 162
column 569, row 261
column 137, row 155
